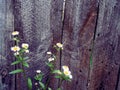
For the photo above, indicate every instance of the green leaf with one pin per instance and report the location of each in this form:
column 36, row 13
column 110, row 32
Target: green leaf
column 29, row 83
column 25, row 64
column 39, row 77
column 20, row 58
column 66, row 78
column 91, row 61
column 16, row 71
column 57, row 71
column 15, row 62
column 49, row 88
column 22, row 51
column 42, row 85
column 25, row 58
column 58, row 77
column 50, row 65
column 17, row 57
column 59, row 89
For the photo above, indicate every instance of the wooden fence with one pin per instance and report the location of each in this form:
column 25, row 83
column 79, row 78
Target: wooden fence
column 90, row 33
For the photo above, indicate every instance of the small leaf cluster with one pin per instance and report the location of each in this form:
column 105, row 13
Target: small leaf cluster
column 20, row 58
column 20, row 54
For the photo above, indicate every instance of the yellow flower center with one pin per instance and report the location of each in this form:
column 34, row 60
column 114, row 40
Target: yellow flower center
column 15, row 48
column 59, row 45
column 67, row 73
column 25, row 45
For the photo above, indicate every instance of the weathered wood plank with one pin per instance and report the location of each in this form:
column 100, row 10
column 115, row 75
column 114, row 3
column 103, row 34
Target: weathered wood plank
column 107, row 47
column 78, row 32
column 56, row 28
column 17, row 27
column 39, row 23
column 34, row 25
column 7, row 82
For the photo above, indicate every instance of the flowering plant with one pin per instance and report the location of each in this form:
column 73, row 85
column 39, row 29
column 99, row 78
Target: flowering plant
column 20, row 53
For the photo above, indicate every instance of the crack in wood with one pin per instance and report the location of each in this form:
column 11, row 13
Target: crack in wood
column 63, row 19
column 92, row 48
column 118, row 79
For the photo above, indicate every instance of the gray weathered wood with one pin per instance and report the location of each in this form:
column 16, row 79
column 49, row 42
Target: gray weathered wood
column 33, row 22
column 107, row 47
column 78, row 32
column 56, row 28
column 39, row 23
column 7, row 82
column 86, row 22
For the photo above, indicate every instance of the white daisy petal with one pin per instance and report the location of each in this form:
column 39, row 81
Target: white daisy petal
column 25, row 45
column 38, row 71
column 59, row 45
column 65, row 68
column 15, row 33
column 26, row 51
column 70, row 76
column 51, row 59
column 49, row 53
column 15, row 48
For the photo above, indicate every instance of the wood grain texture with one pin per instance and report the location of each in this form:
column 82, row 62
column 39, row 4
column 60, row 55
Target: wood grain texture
column 7, row 82
column 86, row 22
column 56, row 28
column 34, row 26
column 107, row 45
column 36, row 21
column 78, row 32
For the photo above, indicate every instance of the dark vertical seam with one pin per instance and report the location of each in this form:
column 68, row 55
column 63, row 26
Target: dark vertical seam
column 63, row 20
column 118, row 79
column 13, row 4
column 92, row 48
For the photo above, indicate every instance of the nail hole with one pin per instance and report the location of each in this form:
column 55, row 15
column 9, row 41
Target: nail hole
column 76, row 82
column 103, row 48
column 90, row 50
column 80, row 70
column 108, row 73
column 98, row 34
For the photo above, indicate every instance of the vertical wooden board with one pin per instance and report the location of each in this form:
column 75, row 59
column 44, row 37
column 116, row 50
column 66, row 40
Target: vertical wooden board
column 2, row 57
column 56, row 28
column 38, row 26
column 7, row 82
column 34, row 26
column 107, row 47
column 16, row 5
column 78, row 32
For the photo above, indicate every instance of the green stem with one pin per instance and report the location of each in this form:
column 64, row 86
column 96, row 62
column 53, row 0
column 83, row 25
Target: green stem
column 24, row 74
column 47, row 82
column 59, row 86
column 49, row 78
